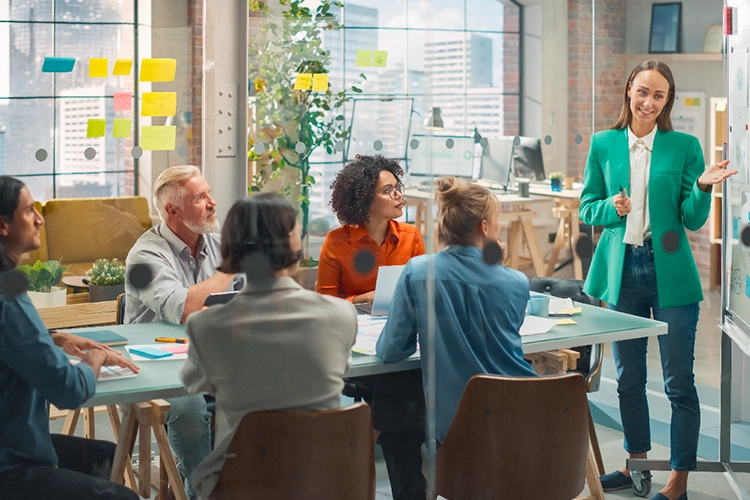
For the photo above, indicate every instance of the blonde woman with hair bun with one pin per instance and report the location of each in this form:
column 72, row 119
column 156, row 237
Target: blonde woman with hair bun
column 479, row 306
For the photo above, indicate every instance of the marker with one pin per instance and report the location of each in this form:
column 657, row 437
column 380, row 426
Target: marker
column 171, row 340
column 623, row 194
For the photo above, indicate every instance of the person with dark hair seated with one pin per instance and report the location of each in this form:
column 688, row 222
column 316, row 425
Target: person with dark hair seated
column 34, row 371
column 275, row 346
column 367, row 197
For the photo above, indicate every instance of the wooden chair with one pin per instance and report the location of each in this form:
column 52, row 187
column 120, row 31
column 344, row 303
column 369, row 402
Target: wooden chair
column 120, row 309
column 520, row 438
column 294, row 455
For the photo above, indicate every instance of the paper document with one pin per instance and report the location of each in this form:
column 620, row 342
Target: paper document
column 562, row 307
column 533, row 325
column 162, row 346
column 110, row 372
column 368, row 333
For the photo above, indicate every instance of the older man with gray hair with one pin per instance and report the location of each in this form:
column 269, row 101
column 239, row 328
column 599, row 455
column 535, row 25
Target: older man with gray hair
column 182, row 253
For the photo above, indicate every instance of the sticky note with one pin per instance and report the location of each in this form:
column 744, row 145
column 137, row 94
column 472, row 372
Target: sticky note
column 688, row 101
column 98, row 67
column 363, row 58
column 572, row 310
column 155, row 138
column 159, row 104
column 58, row 64
column 158, row 70
column 379, row 58
column 96, row 127
column 122, row 67
column 123, row 101
column 696, row 101
column 747, row 286
column 567, row 322
column 121, row 128
column 304, row 80
column 320, row 83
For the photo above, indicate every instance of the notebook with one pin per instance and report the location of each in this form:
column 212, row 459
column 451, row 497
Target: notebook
column 106, row 337
column 384, row 287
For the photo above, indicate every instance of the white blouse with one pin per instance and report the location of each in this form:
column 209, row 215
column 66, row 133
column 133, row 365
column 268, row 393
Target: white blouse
column 637, row 225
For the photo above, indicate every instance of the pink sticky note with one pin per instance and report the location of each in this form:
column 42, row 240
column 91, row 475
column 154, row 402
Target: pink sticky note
column 176, row 349
column 123, row 101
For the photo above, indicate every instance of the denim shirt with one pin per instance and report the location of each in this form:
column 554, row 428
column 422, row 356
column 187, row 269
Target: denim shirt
column 479, row 309
column 33, row 371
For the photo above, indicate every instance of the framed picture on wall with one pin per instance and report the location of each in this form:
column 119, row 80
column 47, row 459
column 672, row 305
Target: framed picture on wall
column 666, row 25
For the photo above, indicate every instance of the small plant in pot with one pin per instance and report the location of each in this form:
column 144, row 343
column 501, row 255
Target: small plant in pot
column 106, row 280
column 556, row 180
column 43, row 279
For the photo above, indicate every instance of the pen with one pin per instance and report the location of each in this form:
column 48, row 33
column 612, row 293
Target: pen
column 172, row 340
column 623, row 194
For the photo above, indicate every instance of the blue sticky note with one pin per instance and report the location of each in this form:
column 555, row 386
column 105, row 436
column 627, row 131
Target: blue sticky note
column 58, row 64
column 736, row 228
column 747, row 286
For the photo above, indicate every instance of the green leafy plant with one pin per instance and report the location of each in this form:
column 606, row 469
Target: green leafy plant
column 556, row 175
column 290, row 43
column 43, row 276
column 308, row 262
column 106, row 272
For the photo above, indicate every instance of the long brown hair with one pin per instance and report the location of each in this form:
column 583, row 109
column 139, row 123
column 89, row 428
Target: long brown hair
column 664, row 120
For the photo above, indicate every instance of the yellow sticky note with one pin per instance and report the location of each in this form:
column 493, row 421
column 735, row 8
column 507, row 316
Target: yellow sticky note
column 122, row 67
column 96, row 127
column 566, row 322
column 155, row 138
column 688, row 101
column 379, row 58
column 98, row 67
column 572, row 310
column 159, row 104
column 363, row 58
column 320, row 83
column 121, row 128
column 158, row 70
column 304, row 80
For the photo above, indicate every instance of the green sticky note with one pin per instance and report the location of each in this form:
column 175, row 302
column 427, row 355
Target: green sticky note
column 379, row 58
column 121, row 128
column 363, row 58
column 696, row 101
column 98, row 67
column 96, row 127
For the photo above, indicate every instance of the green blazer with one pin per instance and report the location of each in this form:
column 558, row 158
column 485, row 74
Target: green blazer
column 675, row 202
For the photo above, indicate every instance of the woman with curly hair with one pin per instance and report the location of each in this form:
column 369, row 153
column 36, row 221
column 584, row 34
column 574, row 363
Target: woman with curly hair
column 367, row 197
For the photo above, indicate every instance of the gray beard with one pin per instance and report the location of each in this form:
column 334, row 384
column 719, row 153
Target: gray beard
column 204, row 227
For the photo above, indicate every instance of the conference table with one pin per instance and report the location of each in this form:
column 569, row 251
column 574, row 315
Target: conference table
column 159, row 379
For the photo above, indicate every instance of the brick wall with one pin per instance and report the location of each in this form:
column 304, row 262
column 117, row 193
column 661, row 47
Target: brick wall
column 195, row 23
column 511, row 19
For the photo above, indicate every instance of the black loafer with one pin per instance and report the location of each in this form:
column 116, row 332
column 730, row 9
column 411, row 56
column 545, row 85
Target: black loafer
column 615, row 481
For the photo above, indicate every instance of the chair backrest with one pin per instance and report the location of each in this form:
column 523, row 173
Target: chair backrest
column 521, row 438
column 295, row 455
column 121, row 309
column 590, row 362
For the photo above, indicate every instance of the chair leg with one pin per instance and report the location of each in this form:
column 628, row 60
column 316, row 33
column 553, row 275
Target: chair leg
column 595, row 445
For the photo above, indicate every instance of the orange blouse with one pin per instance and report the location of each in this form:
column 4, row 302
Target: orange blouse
column 337, row 275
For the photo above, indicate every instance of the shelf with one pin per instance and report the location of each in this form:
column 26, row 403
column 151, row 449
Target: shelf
column 674, row 57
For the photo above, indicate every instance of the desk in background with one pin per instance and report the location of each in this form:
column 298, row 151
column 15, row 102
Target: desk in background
column 515, row 210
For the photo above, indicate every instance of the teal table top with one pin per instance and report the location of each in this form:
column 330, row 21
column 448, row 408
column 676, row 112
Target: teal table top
column 160, row 379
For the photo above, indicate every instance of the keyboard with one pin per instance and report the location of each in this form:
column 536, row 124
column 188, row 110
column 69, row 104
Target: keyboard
column 364, row 308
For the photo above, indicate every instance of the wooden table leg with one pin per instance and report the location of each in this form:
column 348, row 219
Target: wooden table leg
column 556, row 247
column 536, row 253
column 125, row 443
column 89, row 431
column 574, row 235
column 71, row 421
column 160, row 410
column 145, row 422
column 514, row 244
column 114, row 419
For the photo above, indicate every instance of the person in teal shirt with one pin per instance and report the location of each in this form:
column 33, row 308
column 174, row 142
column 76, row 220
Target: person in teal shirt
column 479, row 306
column 645, row 184
column 34, row 370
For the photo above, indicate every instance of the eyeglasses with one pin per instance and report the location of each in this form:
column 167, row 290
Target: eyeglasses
column 393, row 191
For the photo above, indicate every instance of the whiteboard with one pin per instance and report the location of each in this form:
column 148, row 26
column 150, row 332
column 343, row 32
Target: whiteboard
column 736, row 289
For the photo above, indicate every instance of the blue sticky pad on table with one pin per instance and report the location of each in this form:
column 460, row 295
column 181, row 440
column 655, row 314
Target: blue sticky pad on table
column 150, row 352
column 58, row 64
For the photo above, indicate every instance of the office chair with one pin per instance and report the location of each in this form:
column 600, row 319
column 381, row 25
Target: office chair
column 590, row 362
column 516, row 437
column 120, row 309
column 301, row 455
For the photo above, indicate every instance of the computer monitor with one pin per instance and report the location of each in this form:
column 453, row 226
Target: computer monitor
column 527, row 158
column 433, row 157
column 497, row 159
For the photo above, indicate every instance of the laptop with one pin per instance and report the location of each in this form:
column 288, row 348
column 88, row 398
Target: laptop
column 384, row 287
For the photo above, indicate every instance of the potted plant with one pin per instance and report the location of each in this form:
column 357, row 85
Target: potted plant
column 289, row 125
column 106, row 280
column 556, row 181
column 43, row 278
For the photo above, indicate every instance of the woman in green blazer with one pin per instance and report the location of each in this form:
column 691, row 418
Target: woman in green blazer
column 645, row 183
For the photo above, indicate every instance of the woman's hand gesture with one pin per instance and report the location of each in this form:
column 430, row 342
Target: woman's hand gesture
column 715, row 174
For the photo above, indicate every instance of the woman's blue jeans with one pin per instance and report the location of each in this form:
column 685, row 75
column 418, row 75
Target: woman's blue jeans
column 639, row 297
